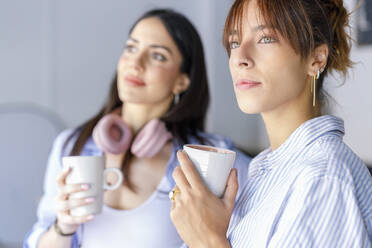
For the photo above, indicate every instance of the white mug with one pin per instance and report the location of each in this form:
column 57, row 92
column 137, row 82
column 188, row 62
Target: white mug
column 213, row 164
column 90, row 170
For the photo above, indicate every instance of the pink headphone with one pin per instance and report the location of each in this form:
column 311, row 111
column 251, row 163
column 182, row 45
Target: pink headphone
column 112, row 135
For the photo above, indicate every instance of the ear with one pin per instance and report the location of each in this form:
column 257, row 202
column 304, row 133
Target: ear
column 318, row 60
column 182, row 84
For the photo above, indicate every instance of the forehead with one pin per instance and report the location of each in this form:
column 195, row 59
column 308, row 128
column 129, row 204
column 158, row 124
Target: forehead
column 250, row 18
column 152, row 31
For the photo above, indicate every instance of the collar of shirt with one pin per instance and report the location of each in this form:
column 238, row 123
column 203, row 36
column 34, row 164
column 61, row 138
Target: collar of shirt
column 304, row 135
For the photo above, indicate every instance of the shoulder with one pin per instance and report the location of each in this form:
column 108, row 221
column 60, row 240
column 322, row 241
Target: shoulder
column 64, row 135
column 329, row 165
column 61, row 139
column 331, row 157
column 329, row 172
column 64, row 142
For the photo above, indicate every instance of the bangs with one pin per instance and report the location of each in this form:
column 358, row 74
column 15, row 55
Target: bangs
column 286, row 17
column 233, row 24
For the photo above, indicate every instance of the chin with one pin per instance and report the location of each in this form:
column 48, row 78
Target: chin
column 130, row 98
column 249, row 108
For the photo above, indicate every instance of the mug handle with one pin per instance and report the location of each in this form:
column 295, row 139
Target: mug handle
column 118, row 182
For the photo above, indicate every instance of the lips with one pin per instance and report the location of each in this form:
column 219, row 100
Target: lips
column 245, row 84
column 134, row 81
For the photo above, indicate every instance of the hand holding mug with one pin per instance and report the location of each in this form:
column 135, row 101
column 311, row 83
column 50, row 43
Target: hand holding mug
column 81, row 186
column 66, row 222
column 200, row 217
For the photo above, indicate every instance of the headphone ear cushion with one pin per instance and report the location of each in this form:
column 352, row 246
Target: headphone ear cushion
column 151, row 139
column 112, row 135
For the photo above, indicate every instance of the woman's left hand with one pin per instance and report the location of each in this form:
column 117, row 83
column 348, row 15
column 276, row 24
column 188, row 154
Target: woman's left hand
column 201, row 219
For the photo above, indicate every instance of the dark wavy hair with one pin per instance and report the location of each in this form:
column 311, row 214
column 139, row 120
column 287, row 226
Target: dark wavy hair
column 184, row 119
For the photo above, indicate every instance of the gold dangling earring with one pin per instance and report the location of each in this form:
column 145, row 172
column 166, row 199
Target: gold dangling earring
column 313, row 86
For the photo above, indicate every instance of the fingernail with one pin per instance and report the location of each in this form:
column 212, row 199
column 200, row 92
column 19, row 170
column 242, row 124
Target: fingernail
column 85, row 186
column 90, row 217
column 89, row 200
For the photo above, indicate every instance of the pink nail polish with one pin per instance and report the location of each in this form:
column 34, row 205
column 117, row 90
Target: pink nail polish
column 89, row 200
column 85, row 186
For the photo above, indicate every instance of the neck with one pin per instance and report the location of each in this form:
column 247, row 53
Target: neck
column 284, row 120
column 137, row 115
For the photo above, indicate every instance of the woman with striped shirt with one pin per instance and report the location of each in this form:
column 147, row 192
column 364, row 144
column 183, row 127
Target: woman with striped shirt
column 308, row 189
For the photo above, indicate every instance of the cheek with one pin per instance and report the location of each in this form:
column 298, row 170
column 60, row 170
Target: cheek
column 231, row 67
column 233, row 63
column 161, row 75
column 285, row 73
column 121, row 64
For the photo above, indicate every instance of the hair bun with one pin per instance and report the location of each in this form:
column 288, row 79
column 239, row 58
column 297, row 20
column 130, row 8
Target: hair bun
column 340, row 46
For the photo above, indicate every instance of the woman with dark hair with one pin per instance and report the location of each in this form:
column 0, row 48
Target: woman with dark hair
column 161, row 78
column 308, row 189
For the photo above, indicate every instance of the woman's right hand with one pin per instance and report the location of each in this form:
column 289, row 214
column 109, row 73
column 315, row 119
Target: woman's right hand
column 66, row 222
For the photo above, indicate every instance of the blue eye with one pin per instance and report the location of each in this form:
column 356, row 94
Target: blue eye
column 234, row 44
column 267, row 40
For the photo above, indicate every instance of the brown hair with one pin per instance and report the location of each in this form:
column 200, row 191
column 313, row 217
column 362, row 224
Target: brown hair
column 305, row 24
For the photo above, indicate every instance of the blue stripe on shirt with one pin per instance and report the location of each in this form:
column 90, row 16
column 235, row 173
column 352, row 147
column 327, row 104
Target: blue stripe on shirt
column 312, row 191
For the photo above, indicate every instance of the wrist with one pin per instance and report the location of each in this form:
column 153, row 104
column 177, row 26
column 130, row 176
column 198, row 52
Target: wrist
column 63, row 231
column 220, row 242
column 215, row 242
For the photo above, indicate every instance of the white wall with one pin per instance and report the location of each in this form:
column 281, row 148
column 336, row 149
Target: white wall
column 61, row 55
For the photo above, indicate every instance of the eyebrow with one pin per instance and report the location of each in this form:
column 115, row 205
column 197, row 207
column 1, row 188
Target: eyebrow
column 255, row 29
column 261, row 27
column 153, row 46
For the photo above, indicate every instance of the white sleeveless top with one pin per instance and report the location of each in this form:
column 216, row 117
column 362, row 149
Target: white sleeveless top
column 148, row 225
column 121, row 226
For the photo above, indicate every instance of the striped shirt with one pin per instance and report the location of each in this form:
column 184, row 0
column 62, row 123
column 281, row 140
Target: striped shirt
column 312, row 191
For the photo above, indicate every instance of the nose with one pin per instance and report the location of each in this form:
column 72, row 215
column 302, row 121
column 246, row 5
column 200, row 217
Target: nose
column 138, row 61
column 240, row 58
column 134, row 61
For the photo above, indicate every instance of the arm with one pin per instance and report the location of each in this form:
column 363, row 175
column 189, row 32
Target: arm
column 43, row 233
column 46, row 209
column 52, row 239
column 62, row 234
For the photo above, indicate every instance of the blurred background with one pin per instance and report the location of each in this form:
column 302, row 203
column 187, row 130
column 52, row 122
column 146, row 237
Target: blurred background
column 56, row 62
